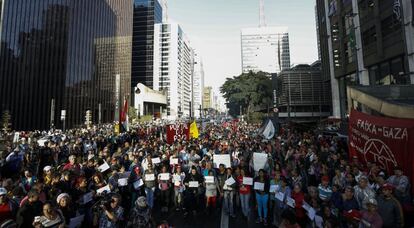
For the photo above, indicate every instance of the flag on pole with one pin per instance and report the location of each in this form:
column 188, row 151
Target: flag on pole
column 269, row 130
column 193, row 130
column 124, row 116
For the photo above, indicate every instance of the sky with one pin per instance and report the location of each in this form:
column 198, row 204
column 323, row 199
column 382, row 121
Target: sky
column 213, row 27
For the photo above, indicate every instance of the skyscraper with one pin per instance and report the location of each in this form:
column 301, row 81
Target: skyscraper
column 173, row 68
column 146, row 14
column 50, row 57
column 265, row 48
column 198, row 84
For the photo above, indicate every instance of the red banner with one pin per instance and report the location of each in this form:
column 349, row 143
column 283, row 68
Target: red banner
column 388, row 142
column 177, row 131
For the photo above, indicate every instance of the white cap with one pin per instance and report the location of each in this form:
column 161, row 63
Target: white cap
column 47, row 168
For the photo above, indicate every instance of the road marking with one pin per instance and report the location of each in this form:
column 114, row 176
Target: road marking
column 224, row 218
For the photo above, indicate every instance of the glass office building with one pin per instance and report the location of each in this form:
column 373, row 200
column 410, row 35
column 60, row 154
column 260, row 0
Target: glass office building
column 146, row 14
column 52, row 60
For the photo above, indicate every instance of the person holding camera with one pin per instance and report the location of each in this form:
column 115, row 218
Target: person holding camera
column 111, row 214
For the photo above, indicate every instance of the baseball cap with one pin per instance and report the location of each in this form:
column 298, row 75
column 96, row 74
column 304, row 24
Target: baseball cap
column 47, row 168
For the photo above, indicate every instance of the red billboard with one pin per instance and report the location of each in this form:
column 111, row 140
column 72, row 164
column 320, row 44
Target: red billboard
column 388, row 142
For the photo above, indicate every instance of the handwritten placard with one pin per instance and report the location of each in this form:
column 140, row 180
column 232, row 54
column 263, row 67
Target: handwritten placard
column 102, row 168
column 247, row 181
column 258, row 186
column 106, row 189
column 173, row 161
column 149, row 177
column 164, row 176
column 86, row 198
column 209, row 179
column 156, row 160
column 230, row 181
column 138, row 184
column 193, row 184
column 123, row 182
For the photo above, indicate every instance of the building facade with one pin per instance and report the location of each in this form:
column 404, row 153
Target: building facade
column 50, row 59
column 208, row 98
column 146, row 14
column 173, row 68
column 365, row 43
column 198, row 85
column 265, row 49
column 303, row 94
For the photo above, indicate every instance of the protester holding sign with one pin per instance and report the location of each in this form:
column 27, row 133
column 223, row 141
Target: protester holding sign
column 150, row 183
column 262, row 196
column 192, row 184
column 229, row 189
column 164, row 184
column 281, row 196
column 244, row 191
column 212, row 186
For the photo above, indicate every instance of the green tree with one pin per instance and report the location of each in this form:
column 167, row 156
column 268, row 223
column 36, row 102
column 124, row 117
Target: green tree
column 247, row 90
column 132, row 114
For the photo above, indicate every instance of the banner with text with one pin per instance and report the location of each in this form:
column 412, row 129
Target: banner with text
column 177, row 131
column 387, row 142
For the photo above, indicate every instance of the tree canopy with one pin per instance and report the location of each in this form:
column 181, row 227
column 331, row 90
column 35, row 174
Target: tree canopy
column 247, row 90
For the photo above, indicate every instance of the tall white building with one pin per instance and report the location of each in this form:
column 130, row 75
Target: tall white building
column 173, row 68
column 265, row 49
column 198, row 84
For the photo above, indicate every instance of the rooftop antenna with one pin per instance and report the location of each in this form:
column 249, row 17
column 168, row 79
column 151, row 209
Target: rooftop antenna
column 262, row 14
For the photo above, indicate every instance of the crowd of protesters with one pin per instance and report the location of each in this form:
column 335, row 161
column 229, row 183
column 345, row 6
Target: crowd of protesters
column 96, row 178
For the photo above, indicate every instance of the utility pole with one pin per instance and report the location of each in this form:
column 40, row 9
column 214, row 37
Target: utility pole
column 52, row 114
column 275, row 104
column 262, row 14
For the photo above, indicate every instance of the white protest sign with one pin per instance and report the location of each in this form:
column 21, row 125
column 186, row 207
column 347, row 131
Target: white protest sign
column 76, row 221
column 247, row 181
column 138, row 184
column 259, row 186
column 306, row 206
column 102, row 168
column 87, row 198
column 230, row 181
column 209, row 179
column 164, row 176
column 174, row 161
column 280, row 196
column 149, row 177
column 259, row 161
column 193, row 184
column 156, row 160
column 221, row 159
column 123, row 182
column 104, row 189
column 273, row 188
column 290, row 202
column 311, row 213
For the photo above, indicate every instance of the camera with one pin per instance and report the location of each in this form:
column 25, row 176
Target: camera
column 103, row 201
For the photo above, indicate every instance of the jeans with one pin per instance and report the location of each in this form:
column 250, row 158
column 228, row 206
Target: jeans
column 244, row 200
column 178, row 198
column 228, row 202
column 262, row 205
column 150, row 196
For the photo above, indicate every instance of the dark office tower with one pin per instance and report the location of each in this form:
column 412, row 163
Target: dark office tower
column 146, row 14
column 50, row 60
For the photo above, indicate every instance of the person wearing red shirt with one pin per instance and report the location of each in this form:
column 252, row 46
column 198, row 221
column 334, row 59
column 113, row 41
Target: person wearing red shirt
column 7, row 207
column 72, row 165
column 244, row 191
column 299, row 198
